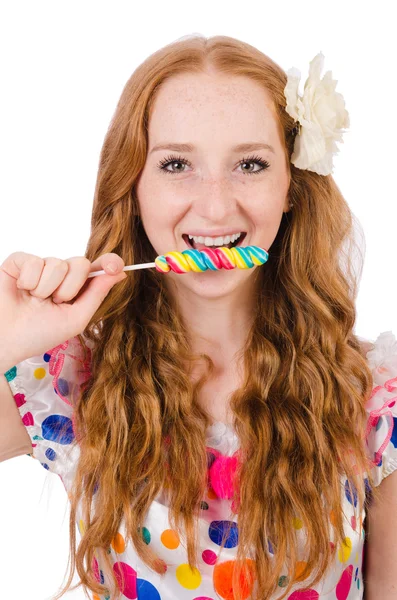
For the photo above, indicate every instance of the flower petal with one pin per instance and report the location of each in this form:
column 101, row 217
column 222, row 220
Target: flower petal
column 294, row 105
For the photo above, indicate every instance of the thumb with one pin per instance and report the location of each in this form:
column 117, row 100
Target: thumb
column 93, row 293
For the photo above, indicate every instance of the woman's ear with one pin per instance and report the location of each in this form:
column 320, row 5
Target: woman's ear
column 287, row 204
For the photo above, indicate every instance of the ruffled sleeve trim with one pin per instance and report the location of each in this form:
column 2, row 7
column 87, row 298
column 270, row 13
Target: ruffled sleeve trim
column 381, row 406
column 75, row 376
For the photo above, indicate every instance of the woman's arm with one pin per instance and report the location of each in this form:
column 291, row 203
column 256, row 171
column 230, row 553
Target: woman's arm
column 380, row 553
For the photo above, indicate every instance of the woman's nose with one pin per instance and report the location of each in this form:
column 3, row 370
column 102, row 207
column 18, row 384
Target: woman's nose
column 215, row 202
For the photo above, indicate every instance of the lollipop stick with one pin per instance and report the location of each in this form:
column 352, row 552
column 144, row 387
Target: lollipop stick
column 129, row 268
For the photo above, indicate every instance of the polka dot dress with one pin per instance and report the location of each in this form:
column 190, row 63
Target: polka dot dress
column 44, row 388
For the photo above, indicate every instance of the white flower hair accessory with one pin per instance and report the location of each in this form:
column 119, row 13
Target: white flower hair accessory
column 321, row 117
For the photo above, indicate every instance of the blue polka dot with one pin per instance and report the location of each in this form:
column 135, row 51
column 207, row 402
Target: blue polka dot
column 348, row 494
column 393, row 438
column 63, row 386
column 50, row 454
column 47, row 357
column 45, row 466
column 57, row 428
column 218, row 528
column 145, row 589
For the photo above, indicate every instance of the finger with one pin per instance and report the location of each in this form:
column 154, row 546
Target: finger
column 76, row 276
column 21, row 262
column 104, row 260
column 53, row 274
column 31, row 270
column 76, row 279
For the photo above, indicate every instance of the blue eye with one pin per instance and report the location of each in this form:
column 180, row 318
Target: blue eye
column 163, row 164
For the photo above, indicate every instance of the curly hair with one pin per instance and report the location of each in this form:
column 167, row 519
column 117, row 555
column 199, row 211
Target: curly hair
column 300, row 413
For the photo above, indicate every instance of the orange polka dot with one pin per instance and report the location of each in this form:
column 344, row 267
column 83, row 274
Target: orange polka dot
column 211, row 494
column 300, row 574
column 95, row 597
column 39, row 373
column 170, row 539
column 118, row 543
column 223, row 576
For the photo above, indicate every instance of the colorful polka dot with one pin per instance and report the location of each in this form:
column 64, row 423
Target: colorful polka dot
column 122, row 570
column 146, row 590
column 146, row 535
column 187, row 577
column 297, row 523
column 81, row 526
column 345, row 551
column 283, row 581
column 170, row 539
column 344, row 584
column 57, row 428
column 348, row 493
column 223, row 576
column 209, row 557
column 300, row 570
column 63, row 386
column 50, row 454
column 218, row 529
column 11, row 374
column 118, row 543
column 39, row 373
column 304, row 595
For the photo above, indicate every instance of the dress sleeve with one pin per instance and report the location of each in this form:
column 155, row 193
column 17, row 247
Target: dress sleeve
column 45, row 388
column 381, row 431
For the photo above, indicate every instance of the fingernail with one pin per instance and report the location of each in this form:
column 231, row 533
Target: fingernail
column 112, row 267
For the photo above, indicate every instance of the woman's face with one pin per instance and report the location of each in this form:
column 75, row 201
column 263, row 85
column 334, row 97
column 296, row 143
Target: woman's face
column 208, row 187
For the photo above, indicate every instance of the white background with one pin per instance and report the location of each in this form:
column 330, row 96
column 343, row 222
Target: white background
column 63, row 67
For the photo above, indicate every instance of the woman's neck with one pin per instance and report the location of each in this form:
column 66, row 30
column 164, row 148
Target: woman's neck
column 217, row 327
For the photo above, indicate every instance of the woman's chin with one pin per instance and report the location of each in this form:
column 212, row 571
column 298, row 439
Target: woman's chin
column 214, row 284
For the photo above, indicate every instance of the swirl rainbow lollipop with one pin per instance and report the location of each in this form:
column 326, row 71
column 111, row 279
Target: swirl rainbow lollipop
column 198, row 261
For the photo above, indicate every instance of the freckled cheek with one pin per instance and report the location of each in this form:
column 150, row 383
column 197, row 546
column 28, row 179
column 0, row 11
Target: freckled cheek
column 161, row 217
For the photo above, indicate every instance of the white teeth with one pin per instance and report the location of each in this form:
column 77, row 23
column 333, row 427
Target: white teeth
column 217, row 241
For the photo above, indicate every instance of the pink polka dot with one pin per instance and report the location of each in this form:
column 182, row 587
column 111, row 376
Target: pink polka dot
column 304, row 595
column 95, row 568
column 209, row 557
column 344, row 584
column 129, row 574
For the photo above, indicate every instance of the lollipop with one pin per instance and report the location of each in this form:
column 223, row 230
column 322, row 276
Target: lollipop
column 206, row 259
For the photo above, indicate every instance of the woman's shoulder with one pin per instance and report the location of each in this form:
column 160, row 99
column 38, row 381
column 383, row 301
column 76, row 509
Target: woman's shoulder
column 381, row 407
column 45, row 389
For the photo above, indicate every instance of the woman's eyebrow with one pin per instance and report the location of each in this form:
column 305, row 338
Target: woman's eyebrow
column 246, row 147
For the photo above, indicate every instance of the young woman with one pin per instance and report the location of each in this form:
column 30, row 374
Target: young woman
column 218, row 433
